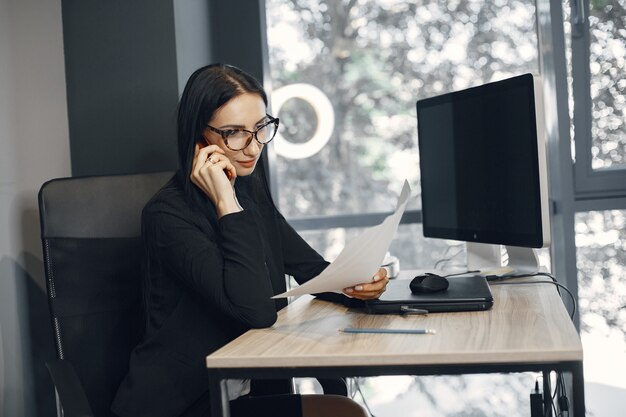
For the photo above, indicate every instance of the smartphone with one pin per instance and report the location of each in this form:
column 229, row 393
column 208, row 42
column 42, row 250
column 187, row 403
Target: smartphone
column 226, row 172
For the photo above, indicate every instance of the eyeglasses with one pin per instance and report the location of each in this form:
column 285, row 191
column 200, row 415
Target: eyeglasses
column 238, row 139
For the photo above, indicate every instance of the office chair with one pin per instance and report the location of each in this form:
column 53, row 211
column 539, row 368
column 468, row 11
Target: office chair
column 90, row 231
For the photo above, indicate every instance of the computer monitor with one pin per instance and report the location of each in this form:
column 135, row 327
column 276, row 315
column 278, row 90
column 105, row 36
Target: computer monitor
column 484, row 172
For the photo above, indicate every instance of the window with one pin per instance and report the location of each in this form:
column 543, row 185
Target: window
column 598, row 57
column 345, row 78
column 596, row 49
column 601, row 258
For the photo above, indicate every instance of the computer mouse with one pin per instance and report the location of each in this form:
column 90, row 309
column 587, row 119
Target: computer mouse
column 428, row 283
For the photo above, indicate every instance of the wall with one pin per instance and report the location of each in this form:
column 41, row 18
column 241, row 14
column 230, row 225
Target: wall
column 193, row 50
column 122, row 85
column 87, row 87
column 34, row 147
column 126, row 65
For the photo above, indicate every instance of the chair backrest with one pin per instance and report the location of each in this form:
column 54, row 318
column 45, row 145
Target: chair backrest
column 90, row 229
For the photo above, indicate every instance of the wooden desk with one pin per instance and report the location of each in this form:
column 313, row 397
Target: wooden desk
column 528, row 329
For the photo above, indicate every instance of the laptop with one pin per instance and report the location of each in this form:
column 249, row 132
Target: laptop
column 465, row 293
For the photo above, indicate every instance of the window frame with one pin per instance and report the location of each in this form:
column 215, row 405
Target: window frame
column 601, row 188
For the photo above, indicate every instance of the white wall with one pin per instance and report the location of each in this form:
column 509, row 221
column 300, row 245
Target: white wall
column 34, row 147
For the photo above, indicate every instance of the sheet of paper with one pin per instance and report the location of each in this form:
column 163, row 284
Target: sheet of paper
column 360, row 258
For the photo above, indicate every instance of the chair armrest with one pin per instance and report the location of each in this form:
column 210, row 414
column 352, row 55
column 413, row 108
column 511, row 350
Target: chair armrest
column 70, row 391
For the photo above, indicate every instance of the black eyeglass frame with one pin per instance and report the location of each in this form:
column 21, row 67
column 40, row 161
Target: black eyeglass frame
column 228, row 132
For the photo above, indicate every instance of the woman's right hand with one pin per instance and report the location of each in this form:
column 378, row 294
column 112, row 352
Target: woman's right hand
column 209, row 173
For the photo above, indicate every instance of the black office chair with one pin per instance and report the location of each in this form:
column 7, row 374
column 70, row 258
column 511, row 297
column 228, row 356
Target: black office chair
column 90, row 231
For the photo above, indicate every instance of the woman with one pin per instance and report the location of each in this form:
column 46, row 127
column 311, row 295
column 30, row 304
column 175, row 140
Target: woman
column 216, row 250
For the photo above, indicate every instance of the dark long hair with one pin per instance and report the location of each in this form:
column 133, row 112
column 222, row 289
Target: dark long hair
column 207, row 89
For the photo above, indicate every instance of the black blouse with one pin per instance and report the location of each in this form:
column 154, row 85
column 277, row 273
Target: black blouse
column 207, row 281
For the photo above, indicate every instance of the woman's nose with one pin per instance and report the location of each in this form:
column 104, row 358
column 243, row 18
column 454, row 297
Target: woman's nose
column 253, row 148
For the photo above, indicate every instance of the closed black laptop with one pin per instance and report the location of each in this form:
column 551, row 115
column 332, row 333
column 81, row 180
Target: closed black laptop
column 465, row 293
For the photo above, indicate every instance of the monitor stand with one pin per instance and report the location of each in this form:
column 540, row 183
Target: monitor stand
column 485, row 257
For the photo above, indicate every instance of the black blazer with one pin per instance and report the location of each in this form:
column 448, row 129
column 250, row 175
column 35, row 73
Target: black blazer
column 207, row 281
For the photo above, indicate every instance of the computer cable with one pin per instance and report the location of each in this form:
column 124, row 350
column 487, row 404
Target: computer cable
column 552, row 398
column 358, row 389
column 445, row 253
column 560, row 395
column 460, row 273
column 535, row 274
column 561, row 392
column 498, row 281
column 554, row 410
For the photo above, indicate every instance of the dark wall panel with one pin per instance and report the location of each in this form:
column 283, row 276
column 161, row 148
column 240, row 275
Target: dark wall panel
column 238, row 34
column 122, row 86
column 238, row 37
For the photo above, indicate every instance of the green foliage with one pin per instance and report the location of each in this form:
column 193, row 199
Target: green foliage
column 374, row 60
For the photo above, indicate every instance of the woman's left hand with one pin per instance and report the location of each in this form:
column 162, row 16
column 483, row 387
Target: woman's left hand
column 369, row 290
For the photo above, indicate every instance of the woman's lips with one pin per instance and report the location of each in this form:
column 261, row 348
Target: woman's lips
column 247, row 164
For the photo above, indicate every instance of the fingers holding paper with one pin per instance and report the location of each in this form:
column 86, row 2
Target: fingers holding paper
column 369, row 290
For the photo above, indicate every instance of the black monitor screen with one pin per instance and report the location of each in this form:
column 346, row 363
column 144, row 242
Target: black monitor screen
column 479, row 164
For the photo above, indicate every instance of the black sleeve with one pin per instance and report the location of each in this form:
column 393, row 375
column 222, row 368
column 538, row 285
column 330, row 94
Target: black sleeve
column 301, row 260
column 231, row 276
column 304, row 263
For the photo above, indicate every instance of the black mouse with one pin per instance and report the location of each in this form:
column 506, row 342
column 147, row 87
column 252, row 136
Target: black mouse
column 428, row 283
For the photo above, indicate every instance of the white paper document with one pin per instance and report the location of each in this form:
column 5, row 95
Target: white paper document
column 360, row 258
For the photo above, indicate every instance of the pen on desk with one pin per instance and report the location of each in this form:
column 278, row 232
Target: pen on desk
column 390, row 331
